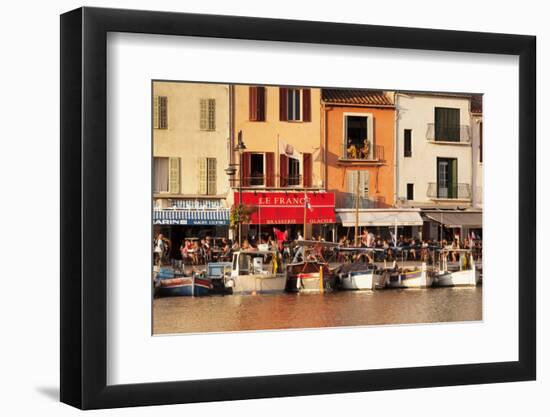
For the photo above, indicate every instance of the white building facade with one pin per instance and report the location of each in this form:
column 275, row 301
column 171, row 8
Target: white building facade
column 434, row 160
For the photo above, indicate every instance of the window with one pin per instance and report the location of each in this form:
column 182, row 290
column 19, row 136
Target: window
column 480, row 141
column 293, row 172
column 208, row 114
column 358, row 138
column 160, row 112
column 166, row 175
column 410, row 191
column 408, row 143
column 207, row 176
column 257, row 169
column 447, row 175
column 295, row 104
column 447, row 124
column 257, row 104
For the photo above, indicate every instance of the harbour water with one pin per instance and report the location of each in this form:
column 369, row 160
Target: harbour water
column 294, row 311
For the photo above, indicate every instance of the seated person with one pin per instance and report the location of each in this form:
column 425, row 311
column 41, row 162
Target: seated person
column 365, row 150
column 351, row 150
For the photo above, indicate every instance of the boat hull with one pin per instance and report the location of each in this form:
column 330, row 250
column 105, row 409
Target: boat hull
column 410, row 279
column 467, row 278
column 184, row 287
column 261, row 284
column 369, row 280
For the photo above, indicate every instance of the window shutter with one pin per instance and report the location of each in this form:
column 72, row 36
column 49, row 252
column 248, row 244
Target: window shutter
column 211, row 173
column 246, row 169
column 307, row 169
column 253, row 103
column 163, row 112
column 364, row 184
column 261, row 104
column 203, row 114
column 203, row 176
column 283, row 105
column 454, row 179
column 270, row 169
column 306, row 104
column 211, row 114
column 174, row 173
column 283, row 170
column 155, row 112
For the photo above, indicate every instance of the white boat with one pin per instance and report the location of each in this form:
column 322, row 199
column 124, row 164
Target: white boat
column 464, row 273
column 254, row 272
column 359, row 275
column 411, row 277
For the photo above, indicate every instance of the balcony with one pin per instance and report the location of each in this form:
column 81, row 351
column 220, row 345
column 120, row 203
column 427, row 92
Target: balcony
column 260, row 180
column 349, row 200
column 448, row 135
column 352, row 155
column 455, row 192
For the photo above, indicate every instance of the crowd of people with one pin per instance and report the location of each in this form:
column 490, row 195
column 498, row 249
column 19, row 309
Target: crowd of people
column 208, row 249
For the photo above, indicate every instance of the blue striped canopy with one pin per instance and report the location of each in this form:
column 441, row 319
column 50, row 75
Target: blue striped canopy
column 191, row 217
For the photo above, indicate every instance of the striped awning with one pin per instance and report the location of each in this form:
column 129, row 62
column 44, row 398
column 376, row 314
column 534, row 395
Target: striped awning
column 452, row 219
column 191, row 217
column 380, row 217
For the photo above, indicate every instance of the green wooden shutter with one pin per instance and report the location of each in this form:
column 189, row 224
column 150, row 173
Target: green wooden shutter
column 203, row 114
column 454, row 179
column 211, row 174
column 155, row 112
column 174, row 174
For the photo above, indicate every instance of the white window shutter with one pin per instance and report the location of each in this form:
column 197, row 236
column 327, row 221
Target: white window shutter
column 211, row 162
column 175, row 175
column 155, row 112
column 203, row 114
column 202, row 176
column 212, row 114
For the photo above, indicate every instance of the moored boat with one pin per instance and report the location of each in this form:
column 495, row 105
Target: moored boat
column 309, row 276
column 170, row 284
column 359, row 275
column 255, row 272
column 410, row 277
column 462, row 273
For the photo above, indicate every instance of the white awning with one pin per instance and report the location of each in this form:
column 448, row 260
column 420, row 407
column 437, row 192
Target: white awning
column 471, row 219
column 377, row 217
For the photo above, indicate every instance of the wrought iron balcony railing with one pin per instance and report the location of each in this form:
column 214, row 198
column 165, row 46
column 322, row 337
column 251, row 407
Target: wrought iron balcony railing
column 448, row 133
column 260, row 180
column 458, row 191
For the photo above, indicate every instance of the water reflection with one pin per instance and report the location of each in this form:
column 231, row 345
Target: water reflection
column 291, row 311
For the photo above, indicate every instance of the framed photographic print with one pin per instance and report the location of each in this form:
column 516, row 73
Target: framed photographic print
column 256, row 208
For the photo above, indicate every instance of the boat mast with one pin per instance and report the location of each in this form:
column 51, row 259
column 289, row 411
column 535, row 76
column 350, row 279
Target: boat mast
column 357, row 210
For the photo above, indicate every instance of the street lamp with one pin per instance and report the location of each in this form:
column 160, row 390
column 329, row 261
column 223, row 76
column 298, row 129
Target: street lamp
column 232, row 169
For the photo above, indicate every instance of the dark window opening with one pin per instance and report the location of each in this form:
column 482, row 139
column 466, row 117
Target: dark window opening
column 358, row 145
column 293, row 104
column 257, row 169
column 408, row 143
column 447, row 175
column 410, row 191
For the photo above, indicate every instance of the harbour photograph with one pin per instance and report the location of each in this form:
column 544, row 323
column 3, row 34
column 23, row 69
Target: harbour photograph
column 281, row 207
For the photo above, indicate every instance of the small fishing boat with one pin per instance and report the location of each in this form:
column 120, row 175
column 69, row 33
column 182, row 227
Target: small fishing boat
column 255, row 271
column 359, row 275
column 219, row 272
column 457, row 274
column 410, row 277
column 170, row 284
column 309, row 276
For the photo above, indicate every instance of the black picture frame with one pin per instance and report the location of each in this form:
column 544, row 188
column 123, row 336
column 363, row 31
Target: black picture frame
column 84, row 207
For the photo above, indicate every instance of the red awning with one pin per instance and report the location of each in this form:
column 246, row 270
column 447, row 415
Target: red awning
column 289, row 208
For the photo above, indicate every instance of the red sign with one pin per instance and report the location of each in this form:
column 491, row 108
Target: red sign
column 289, row 208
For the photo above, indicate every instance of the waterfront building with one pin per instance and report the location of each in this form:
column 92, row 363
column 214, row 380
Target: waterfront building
column 359, row 137
column 191, row 138
column 281, row 165
column 434, row 170
column 476, row 110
